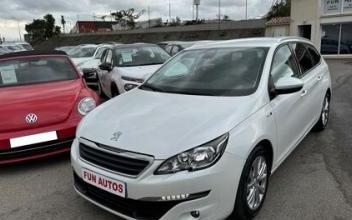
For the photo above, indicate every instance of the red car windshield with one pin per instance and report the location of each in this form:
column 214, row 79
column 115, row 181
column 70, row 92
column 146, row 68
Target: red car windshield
column 25, row 71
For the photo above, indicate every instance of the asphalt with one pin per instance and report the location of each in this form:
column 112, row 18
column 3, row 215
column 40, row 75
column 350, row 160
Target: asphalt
column 315, row 182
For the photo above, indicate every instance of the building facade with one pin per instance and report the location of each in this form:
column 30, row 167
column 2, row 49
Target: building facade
column 327, row 23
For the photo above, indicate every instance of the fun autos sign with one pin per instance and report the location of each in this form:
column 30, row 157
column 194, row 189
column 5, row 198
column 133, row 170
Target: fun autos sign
column 332, row 6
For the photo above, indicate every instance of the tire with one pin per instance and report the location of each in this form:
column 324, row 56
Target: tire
column 246, row 206
column 324, row 115
column 114, row 91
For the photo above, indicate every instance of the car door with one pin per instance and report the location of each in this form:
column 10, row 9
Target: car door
column 287, row 108
column 106, row 76
column 312, row 95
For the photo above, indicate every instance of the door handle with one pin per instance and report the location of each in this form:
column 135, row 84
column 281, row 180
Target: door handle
column 304, row 93
column 319, row 78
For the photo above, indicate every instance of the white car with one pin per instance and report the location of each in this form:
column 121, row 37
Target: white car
column 124, row 67
column 88, row 56
column 201, row 137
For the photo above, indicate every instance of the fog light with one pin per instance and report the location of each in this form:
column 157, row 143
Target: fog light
column 129, row 87
column 175, row 197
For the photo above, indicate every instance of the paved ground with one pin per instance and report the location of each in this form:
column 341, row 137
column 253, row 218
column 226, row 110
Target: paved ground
column 315, row 182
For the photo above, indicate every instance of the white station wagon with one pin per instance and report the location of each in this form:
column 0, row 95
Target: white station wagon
column 201, row 137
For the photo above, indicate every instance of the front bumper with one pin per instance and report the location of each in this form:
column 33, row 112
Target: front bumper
column 35, row 151
column 219, row 183
column 65, row 133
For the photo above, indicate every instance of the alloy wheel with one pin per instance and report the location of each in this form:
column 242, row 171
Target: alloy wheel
column 257, row 183
column 325, row 112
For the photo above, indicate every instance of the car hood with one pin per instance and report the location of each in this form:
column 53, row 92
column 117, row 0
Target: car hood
column 162, row 124
column 51, row 102
column 138, row 72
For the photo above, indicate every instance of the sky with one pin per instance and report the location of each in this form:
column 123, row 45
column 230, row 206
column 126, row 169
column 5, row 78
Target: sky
column 15, row 14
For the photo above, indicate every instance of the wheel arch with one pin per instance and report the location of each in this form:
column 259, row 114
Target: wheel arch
column 268, row 147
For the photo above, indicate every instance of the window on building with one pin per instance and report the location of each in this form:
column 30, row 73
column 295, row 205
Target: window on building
column 330, row 39
column 336, row 39
column 346, row 39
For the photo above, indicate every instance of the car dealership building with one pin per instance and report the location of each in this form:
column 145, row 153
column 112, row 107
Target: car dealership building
column 328, row 23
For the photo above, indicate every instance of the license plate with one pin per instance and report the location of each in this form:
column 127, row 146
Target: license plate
column 33, row 139
column 105, row 183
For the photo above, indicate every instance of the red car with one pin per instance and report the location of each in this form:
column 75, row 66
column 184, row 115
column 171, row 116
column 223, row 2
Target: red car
column 43, row 98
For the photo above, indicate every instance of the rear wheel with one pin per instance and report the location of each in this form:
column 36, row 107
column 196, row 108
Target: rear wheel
column 324, row 115
column 253, row 185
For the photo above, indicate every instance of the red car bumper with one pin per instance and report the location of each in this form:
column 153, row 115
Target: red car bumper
column 65, row 134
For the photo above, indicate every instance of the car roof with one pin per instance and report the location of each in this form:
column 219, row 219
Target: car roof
column 134, row 45
column 32, row 53
column 249, row 42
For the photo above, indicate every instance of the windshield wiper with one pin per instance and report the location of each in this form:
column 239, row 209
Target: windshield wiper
column 149, row 64
column 150, row 88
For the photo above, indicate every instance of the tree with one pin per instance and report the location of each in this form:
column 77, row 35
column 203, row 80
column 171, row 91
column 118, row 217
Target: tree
column 36, row 30
column 280, row 9
column 43, row 29
column 126, row 18
column 175, row 22
column 49, row 26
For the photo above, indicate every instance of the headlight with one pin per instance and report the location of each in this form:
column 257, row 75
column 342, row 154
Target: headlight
column 86, row 105
column 197, row 158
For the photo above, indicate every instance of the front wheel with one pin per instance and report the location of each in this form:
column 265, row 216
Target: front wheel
column 253, row 185
column 324, row 115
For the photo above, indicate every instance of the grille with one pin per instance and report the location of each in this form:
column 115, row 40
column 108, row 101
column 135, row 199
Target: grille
column 112, row 161
column 134, row 208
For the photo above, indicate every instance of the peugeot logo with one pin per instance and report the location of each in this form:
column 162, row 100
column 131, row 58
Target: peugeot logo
column 31, row 118
column 116, row 136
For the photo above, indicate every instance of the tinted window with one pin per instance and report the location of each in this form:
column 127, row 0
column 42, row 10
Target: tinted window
column 314, row 54
column 303, row 57
column 35, row 70
column 140, row 56
column 213, row 72
column 284, row 64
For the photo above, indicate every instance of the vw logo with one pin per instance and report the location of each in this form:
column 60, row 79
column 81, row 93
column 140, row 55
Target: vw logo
column 31, row 118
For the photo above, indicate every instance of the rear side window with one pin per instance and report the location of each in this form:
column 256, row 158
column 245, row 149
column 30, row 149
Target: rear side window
column 304, row 59
column 284, row 64
column 315, row 55
column 27, row 71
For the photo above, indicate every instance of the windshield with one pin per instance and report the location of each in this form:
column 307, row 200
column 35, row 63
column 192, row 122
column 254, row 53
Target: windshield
column 81, row 52
column 213, row 72
column 35, row 70
column 140, row 56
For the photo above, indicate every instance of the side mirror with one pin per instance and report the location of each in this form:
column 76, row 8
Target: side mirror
column 105, row 66
column 90, row 75
column 288, row 85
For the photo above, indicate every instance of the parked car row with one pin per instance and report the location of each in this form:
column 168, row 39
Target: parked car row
column 196, row 136
column 6, row 48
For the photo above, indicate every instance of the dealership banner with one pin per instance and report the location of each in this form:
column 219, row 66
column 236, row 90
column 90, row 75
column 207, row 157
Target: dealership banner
column 332, row 6
column 347, row 5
